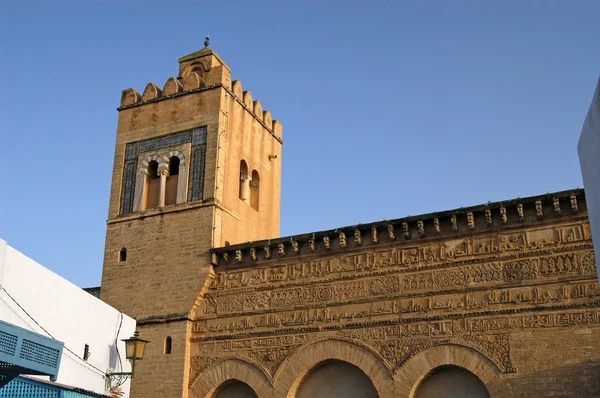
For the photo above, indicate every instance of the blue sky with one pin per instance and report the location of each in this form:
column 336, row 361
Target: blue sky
column 388, row 108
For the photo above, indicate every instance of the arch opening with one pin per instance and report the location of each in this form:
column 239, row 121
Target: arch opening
column 168, row 343
column 451, row 382
column 122, row 255
column 335, row 378
column 234, row 389
column 255, row 190
column 172, row 181
column 244, row 182
column 152, row 191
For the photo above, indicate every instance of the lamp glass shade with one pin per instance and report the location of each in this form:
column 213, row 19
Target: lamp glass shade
column 134, row 347
column 130, row 348
column 140, row 346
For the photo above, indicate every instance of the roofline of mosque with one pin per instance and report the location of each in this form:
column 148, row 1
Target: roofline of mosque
column 496, row 214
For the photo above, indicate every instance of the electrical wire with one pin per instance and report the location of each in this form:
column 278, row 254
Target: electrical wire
column 117, row 341
column 48, row 333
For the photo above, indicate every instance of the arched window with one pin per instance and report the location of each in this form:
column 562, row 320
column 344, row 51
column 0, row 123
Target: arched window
column 254, row 190
column 152, row 191
column 234, row 389
column 336, row 379
column 122, row 255
column 168, row 342
column 244, row 182
column 172, row 180
column 451, row 382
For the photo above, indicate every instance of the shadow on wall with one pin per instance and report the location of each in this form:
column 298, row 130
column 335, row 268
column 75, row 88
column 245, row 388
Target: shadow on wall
column 451, row 382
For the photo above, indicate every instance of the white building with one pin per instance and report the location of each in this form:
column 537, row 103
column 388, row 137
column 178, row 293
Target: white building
column 34, row 298
column 589, row 159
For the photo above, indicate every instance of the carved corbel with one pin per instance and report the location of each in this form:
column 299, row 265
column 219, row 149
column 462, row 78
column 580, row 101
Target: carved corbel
column 374, row 234
column 391, row 233
column 436, row 225
column 267, row 250
column 281, row 249
column 405, row 230
column 342, row 237
column 574, row 206
column 520, row 212
column 357, row 237
column 503, row 215
column 253, row 253
column 488, row 217
column 556, row 204
column 238, row 256
column 421, row 228
column 311, row 244
column 471, row 220
column 295, row 246
column 539, row 210
column 454, row 223
column 326, row 242
column 214, row 259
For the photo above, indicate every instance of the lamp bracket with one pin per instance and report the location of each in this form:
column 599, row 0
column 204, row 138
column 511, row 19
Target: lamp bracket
column 117, row 379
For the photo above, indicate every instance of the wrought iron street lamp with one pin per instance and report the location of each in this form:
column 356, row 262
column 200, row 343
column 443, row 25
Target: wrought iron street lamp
column 134, row 351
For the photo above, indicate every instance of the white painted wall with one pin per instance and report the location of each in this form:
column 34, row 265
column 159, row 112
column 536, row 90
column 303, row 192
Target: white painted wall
column 589, row 159
column 69, row 314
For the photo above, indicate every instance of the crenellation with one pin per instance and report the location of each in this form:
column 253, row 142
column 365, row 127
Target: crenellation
column 247, row 100
column 236, row 87
column 257, row 109
column 130, row 96
column 267, row 118
column 277, row 128
column 172, row 87
column 151, row 92
column 193, row 81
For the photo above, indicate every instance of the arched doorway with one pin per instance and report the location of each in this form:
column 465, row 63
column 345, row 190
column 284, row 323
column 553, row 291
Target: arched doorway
column 235, row 389
column 336, row 379
column 451, row 382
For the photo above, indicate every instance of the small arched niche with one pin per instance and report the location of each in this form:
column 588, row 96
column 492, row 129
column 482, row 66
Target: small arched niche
column 336, row 379
column 255, row 190
column 451, row 382
column 234, row 389
column 152, row 191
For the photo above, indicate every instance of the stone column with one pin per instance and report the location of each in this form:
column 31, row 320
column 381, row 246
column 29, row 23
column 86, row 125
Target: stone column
column 163, row 187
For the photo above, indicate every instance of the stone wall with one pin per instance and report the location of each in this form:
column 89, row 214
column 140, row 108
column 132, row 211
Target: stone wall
column 505, row 291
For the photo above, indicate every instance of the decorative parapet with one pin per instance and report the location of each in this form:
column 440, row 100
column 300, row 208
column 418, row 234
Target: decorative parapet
column 486, row 217
column 193, row 82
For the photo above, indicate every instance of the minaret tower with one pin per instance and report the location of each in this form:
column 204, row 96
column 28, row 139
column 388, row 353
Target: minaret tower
column 197, row 165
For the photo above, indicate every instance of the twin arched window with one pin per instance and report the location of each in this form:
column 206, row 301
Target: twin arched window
column 162, row 182
column 249, row 186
